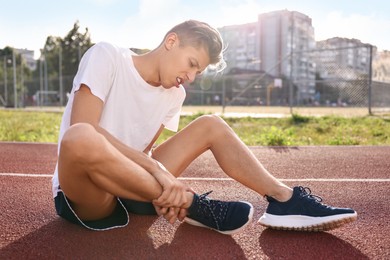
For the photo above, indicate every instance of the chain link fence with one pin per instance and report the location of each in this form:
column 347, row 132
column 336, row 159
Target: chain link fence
column 380, row 98
column 322, row 78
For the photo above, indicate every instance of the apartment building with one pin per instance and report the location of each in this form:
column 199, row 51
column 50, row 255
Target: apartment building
column 268, row 45
column 343, row 57
column 242, row 46
column 286, row 38
column 28, row 56
column 381, row 67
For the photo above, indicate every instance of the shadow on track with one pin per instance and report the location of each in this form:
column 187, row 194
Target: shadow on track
column 146, row 237
column 306, row 245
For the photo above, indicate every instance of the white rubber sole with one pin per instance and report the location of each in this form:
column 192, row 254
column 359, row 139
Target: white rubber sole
column 306, row 223
column 228, row 232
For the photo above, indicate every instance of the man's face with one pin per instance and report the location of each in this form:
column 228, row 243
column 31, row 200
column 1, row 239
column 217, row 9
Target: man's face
column 182, row 64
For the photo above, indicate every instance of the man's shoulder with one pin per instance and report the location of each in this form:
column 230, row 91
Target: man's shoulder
column 106, row 46
column 108, row 49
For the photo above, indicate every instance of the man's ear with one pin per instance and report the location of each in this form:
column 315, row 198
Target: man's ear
column 171, row 40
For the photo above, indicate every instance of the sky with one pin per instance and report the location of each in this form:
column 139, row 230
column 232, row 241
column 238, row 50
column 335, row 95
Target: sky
column 143, row 23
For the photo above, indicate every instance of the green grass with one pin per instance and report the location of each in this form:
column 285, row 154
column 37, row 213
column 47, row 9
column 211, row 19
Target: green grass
column 296, row 130
column 29, row 126
column 306, row 130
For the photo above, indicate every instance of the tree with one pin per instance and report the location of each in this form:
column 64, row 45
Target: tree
column 73, row 47
column 68, row 51
column 8, row 70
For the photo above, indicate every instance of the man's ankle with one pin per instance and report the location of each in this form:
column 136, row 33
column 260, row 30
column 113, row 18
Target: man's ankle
column 282, row 194
column 190, row 200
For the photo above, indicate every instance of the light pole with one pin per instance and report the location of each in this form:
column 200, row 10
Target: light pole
column 5, row 81
column 60, row 75
column 46, row 83
column 79, row 50
column 22, row 81
column 291, row 85
column 39, row 97
column 15, row 91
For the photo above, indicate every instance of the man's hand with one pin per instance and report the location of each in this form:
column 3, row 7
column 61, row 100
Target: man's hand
column 171, row 214
column 174, row 191
column 173, row 200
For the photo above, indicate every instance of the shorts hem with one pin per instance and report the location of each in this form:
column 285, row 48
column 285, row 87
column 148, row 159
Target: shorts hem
column 119, row 218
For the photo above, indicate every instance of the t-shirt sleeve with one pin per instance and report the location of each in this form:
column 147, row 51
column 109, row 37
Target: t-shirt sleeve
column 96, row 70
column 172, row 119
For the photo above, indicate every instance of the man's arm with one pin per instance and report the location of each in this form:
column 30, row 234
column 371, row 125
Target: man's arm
column 88, row 108
column 150, row 146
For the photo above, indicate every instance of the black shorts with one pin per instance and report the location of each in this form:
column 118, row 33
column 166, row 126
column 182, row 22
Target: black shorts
column 119, row 217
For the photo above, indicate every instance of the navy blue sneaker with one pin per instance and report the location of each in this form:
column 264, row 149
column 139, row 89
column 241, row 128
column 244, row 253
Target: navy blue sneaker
column 225, row 217
column 305, row 212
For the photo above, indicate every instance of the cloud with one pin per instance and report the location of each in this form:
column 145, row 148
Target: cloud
column 239, row 13
column 147, row 27
column 153, row 19
column 102, row 2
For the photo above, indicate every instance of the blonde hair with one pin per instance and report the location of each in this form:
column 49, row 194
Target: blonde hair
column 202, row 35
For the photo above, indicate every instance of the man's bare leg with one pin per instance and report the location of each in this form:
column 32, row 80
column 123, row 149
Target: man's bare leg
column 234, row 157
column 92, row 173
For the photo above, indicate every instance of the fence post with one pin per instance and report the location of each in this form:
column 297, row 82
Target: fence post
column 370, row 81
column 291, row 85
column 5, row 81
column 14, row 68
column 61, row 90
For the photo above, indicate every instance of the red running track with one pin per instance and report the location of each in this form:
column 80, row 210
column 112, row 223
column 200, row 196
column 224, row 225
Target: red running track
column 356, row 177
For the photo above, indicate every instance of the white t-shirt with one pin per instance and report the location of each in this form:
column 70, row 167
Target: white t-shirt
column 133, row 110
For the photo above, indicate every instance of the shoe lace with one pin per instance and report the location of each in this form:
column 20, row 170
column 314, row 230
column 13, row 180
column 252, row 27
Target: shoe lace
column 306, row 192
column 217, row 209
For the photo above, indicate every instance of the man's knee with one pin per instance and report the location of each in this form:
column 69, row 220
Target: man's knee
column 78, row 140
column 211, row 120
column 213, row 124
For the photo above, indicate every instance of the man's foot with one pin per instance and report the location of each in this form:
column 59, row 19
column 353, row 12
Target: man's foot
column 225, row 217
column 305, row 212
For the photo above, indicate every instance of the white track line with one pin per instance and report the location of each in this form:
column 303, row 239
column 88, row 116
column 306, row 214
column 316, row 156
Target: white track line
column 302, row 179
column 218, row 179
column 11, row 174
